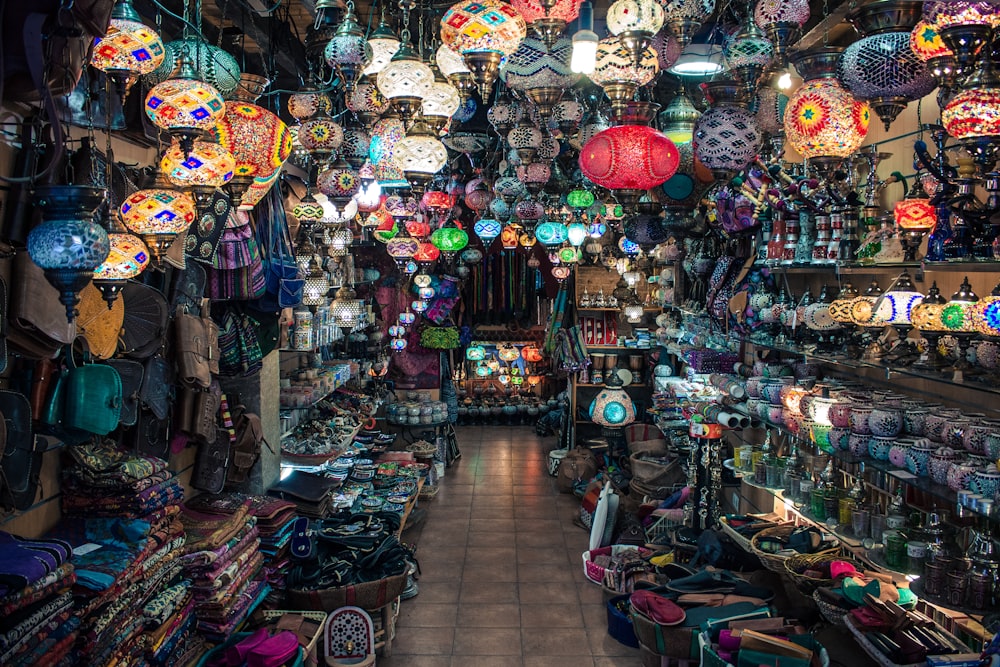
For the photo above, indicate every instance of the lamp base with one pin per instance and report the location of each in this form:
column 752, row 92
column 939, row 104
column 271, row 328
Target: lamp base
column 636, row 42
column 545, row 98
column 549, row 30
column 888, row 108
column 485, row 67
column 684, row 30
column 110, row 289
column 69, row 283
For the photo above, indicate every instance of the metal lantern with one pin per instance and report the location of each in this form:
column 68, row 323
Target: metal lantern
column 405, row 82
column 634, row 22
column 348, row 52
column 629, row 159
column 781, row 21
column 384, row 43
column 726, row 138
column 619, row 73
column 684, row 17
column 540, row 71
column 483, row 32
column 128, row 49
column 748, row 54
column 547, row 18
column 823, row 121
column 884, row 70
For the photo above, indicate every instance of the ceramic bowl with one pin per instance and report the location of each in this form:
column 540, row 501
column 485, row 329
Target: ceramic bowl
column 859, row 419
column 959, row 475
column 954, row 431
column 840, row 413
column 918, row 458
column 878, row 447
column 897, row 452
column 991, row 446
column 936, row 421
column 940, row 464
column 985, row 481
column 976, row 433
column 915, row 416
column 752, row 386
column 840, row 438
column 857, row 443
column 885, row 421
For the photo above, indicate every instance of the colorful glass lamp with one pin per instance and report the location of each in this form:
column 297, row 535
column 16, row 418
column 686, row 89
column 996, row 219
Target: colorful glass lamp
column 548, row 18
column 634, row 22
column 68, row 245
column 157, row 216
column 185, row 106
column 421, row 155
column 207, row 167
column 958, row 320
column 629, row 159
column 985, row 315
column 915, row 216
column 483, row 32
column 127, row 258
column 612, row 408
column 926, row 318
column 129, row 48
column 348, row 52
column 405, row 82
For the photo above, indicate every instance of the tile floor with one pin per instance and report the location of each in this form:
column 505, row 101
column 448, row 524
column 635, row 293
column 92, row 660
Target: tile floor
column 502, row 582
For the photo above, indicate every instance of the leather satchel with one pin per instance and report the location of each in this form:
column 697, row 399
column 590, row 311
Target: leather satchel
column 245, row 450
column 210, row 465
column 38, row 326
column 187, row 287
column 151, row 436
column 147, row 316
column 303, row 486
column 157, row 380
column 93, row 397
column 198, row 412
column 131, row 374
column 196, row 340
column 22, row 452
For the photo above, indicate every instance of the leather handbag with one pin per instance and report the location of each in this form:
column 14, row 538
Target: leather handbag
column 202, row 240
column 578, row 465
column 196, row 341
column 247, row 435
column 38, row 326
column 131, row 373
column 146, row 317
column 157, row 381
column 151, row 435
column 187, row 287
column 93, row 396
column 210, row 465
column 98, row 324
column 198, row 412
column 21, row 462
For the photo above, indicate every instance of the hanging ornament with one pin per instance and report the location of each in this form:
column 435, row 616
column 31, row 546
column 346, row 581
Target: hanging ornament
column 185, row 106
column 684, row 17
column 726, row 139
column 634, row 22
column 629, row 159
column 483, row 32
column 619, row 73
column 128, row 49
column 781, row 21
column 349, row 53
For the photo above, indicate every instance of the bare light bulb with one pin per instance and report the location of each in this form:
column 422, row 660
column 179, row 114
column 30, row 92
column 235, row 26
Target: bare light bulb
column 584, row 58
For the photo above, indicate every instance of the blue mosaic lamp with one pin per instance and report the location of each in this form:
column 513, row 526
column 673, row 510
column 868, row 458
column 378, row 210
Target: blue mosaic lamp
column 68, row 245
column 612, row 407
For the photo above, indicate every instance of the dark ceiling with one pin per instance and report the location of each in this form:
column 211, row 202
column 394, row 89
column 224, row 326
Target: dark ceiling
column 268, row 36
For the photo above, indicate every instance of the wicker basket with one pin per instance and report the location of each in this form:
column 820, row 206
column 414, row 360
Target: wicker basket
column 795, row 566
column 369, row 596
column 709, row 658
column 833, row 614
column 673, row 641
column 776, row 562
column 311, row 653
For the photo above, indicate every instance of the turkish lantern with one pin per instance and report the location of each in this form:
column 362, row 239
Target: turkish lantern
column 629, row 158
column 531, row 354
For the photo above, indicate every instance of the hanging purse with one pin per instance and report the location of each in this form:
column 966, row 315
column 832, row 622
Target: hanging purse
column 93, row 396
column 157, row 381
column 21, row 460
column 196, row 340
column 131, row 373
column 209, row 473
column 202, row 240
column 151, row 436
column 38, row 326
column 246, row 436
column 282, row 274
column 197, row 412
column 146, row 318
column 237, row 272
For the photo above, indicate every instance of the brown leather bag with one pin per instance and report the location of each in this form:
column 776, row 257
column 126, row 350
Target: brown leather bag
column 38, row 327
column 245, row 448
column 578, row 465
column 196, row 341
column 198, row 412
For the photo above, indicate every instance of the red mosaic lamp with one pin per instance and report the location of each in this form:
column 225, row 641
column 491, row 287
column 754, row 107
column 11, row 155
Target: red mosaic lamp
column 629, row 159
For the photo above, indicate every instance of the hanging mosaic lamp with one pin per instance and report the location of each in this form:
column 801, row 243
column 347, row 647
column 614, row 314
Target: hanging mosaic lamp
column 726, row 139
column 449, row 239
column 157, row 216
column 477, row 195
column 316, row 286
column 207, row 167
column 440, row 103
column 320, row 135
column 985, row 315
column 68, row 245
column 185, row 106
column 881, row 67
column 307, row 102
column 503, row 114
column 748, row 54
column 534, row 176
column 127, row 258
column 211, row 64
column 781, row 21
column 258, row 140
column 927, row 44
column 355, row 147
column 972, row 115
column 483, row 32
column 551, row 234
column 914, row 216
column 684, row 17
column 634, row 22
column 629, row 159
column 619, row 73
column 548, row 18
column 678, row 119
column 366, row 102
column 346, row 308
column 823, row 121
column 568, row 114
column 348, row 52
column 612, row 407
column 384, row 43
column 487, row 229
column 421, row 155
column 455, row 70
column 386, row 134
column 427, row 253
column 339, row 182
column 402, row 247
column 405, row 82
column 965, row 27
column 540, row 71
column 580, row 198
column 129, row 48
column 524, row 138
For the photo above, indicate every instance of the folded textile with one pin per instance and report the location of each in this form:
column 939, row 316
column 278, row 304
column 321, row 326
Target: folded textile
column 153, row 499
column 199, row 559
column 159, row 651
column 63, row 631
column 220, row 630
column 207, row 532
column 26, row 621
column 77, row 487
column 217, row 605
column 156, row 611
column 61, row 578
column 31, row 641
column 24, row 561
column 248, row 542
column 58, row 655
column 103, row 463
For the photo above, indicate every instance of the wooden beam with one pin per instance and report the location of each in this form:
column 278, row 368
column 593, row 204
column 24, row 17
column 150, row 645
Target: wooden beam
column 273, row 36
column 830, row 28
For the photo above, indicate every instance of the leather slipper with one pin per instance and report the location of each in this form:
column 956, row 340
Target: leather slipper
column 274, row 651
column 656, row 608
column 236, row 654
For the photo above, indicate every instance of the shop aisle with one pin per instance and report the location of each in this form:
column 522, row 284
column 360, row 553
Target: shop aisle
column 502, row 582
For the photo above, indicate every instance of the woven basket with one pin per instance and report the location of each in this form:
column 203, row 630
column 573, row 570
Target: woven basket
column 310, row 657
column 833, row 614
column 737, row 537
column 673, row 641
column 597, row 573
column 795, row 566
column 369, row 596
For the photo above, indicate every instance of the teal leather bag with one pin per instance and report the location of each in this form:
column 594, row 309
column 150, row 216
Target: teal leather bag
column 93, row 396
